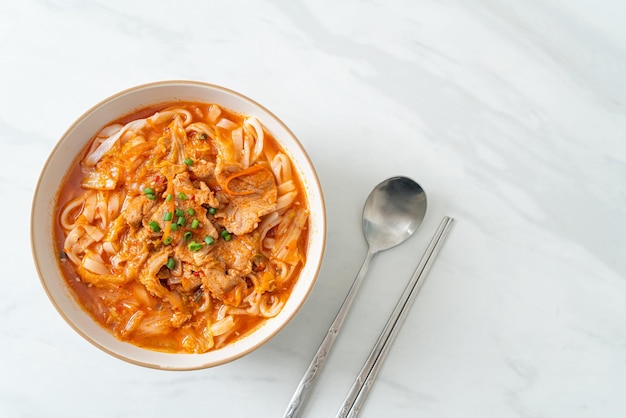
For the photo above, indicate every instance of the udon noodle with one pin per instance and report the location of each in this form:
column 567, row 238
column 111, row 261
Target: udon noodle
column 182, row 228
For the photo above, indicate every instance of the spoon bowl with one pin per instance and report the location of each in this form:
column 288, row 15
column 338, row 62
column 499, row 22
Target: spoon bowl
column 392, row 213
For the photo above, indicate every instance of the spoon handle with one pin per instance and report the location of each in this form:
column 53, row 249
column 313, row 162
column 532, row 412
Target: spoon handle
column 364, row 381
column 303, row 391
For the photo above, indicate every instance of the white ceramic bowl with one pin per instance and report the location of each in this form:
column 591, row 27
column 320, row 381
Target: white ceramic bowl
column 73, row 142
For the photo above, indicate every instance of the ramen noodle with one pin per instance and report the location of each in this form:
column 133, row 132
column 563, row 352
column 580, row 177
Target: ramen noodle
column 182, row 228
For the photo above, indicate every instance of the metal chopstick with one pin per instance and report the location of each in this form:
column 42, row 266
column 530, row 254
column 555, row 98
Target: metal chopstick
column 364, row 381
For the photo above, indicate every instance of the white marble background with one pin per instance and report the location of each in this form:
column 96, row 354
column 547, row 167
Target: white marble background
column 511, row 114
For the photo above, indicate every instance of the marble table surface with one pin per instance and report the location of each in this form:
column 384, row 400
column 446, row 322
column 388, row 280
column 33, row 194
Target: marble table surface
column 510, row 114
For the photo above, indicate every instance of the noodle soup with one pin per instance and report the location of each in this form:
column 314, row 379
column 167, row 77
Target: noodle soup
column 182, row 227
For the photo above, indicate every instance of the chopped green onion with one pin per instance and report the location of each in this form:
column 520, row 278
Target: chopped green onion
column 182, row 196
column 179, row 212
column 155, row 226
column 209, row 240
column 226, row 235
column 194, row 246
column 171, row 263
column 168, row 240
column 212, row 211
column 191, row 211
column 173, row 227
column 187, row 235
column 167, row 216
column 149, row 192
column 195, row 223
column 188, row 161
column 181, row 221
column 169, row 197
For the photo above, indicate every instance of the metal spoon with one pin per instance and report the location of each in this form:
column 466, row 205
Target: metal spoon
column 392, row 213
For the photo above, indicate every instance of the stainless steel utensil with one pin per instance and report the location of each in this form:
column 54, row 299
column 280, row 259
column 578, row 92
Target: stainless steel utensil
column 364, row 381
column 392, row 213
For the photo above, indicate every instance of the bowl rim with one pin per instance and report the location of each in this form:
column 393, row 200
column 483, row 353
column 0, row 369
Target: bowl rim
column 313, row 183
